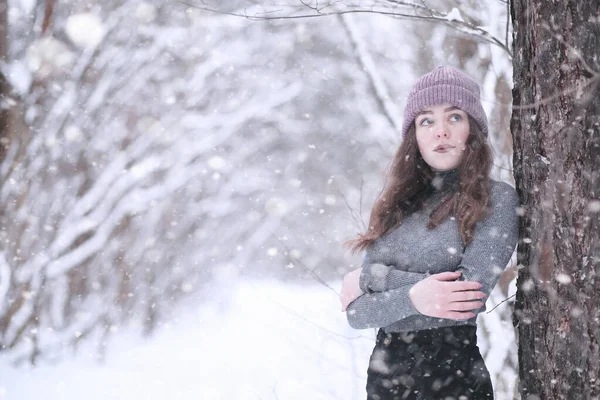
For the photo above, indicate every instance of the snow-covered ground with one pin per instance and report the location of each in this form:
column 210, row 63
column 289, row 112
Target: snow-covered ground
column 263, row 340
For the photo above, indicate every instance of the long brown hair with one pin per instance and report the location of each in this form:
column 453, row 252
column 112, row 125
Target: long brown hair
column 408, row 180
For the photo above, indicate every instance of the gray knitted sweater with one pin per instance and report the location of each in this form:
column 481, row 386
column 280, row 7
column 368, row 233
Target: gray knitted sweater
column 401, row 258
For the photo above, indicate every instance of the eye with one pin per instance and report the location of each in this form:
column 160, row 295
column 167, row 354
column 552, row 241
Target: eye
column 425, row 122
column 455, row 117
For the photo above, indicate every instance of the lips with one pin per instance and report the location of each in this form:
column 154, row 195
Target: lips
column 443, row 148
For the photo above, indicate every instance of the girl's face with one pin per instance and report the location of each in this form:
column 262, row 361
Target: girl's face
column 442, row 133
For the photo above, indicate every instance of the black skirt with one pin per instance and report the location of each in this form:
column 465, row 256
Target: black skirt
column 431, row 364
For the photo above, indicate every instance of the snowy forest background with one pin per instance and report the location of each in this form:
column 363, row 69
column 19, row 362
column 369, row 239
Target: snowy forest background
column 177, row 184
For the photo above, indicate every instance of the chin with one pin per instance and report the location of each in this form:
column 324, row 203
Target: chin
column 443, row 167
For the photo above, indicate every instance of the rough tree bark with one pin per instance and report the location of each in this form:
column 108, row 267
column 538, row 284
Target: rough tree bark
column 556, row 127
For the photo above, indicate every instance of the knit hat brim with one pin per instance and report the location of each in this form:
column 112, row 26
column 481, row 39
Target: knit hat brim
column 450, row 94
column 445, row 85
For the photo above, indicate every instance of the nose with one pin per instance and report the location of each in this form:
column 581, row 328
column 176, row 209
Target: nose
column 442, row 130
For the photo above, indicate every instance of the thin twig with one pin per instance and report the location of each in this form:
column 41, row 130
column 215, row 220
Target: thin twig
column 295, row 314
column 357, row 217
column 500, row 303
column 317, row 277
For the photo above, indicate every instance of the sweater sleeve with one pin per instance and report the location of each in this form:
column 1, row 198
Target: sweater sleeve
column 381, row 305
column 379, row 309
column 494, row 241
column 376, row 276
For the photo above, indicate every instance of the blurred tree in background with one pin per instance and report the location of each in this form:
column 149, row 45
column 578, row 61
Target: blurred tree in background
column 159, row 152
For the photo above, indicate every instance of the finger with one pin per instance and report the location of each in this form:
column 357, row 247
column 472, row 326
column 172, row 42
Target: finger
column 446, row 276
column 347, row 298
column 343, row 302
column 465, row 305
column 467, row 295
column 459, row 315
column 343, row 299
column 464, row 285
column 345, row 305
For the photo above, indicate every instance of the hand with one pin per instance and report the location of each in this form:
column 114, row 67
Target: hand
column 437, row 296
column 350, row 288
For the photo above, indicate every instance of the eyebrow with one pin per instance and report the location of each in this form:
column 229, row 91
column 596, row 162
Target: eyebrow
column 446, row 110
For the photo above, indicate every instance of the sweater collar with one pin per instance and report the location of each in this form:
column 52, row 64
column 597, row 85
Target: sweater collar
column 444, row 181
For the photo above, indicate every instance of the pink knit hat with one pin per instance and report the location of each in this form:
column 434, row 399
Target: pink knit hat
column 443, row 85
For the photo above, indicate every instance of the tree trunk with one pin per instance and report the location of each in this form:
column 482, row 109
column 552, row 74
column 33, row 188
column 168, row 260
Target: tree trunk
column 556, row 127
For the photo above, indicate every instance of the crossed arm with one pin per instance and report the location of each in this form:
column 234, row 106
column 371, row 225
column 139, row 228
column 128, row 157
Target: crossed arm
column 377, row 277
column 386, row 299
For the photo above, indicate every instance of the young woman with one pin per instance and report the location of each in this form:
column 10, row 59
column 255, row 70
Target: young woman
column 440, row 234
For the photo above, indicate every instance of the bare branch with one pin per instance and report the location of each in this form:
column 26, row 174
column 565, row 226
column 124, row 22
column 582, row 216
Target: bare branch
column 357, row 217
column 310, row 271
column 496, row 306
column 368, row 66
column 431, row 16
column 48, row 12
